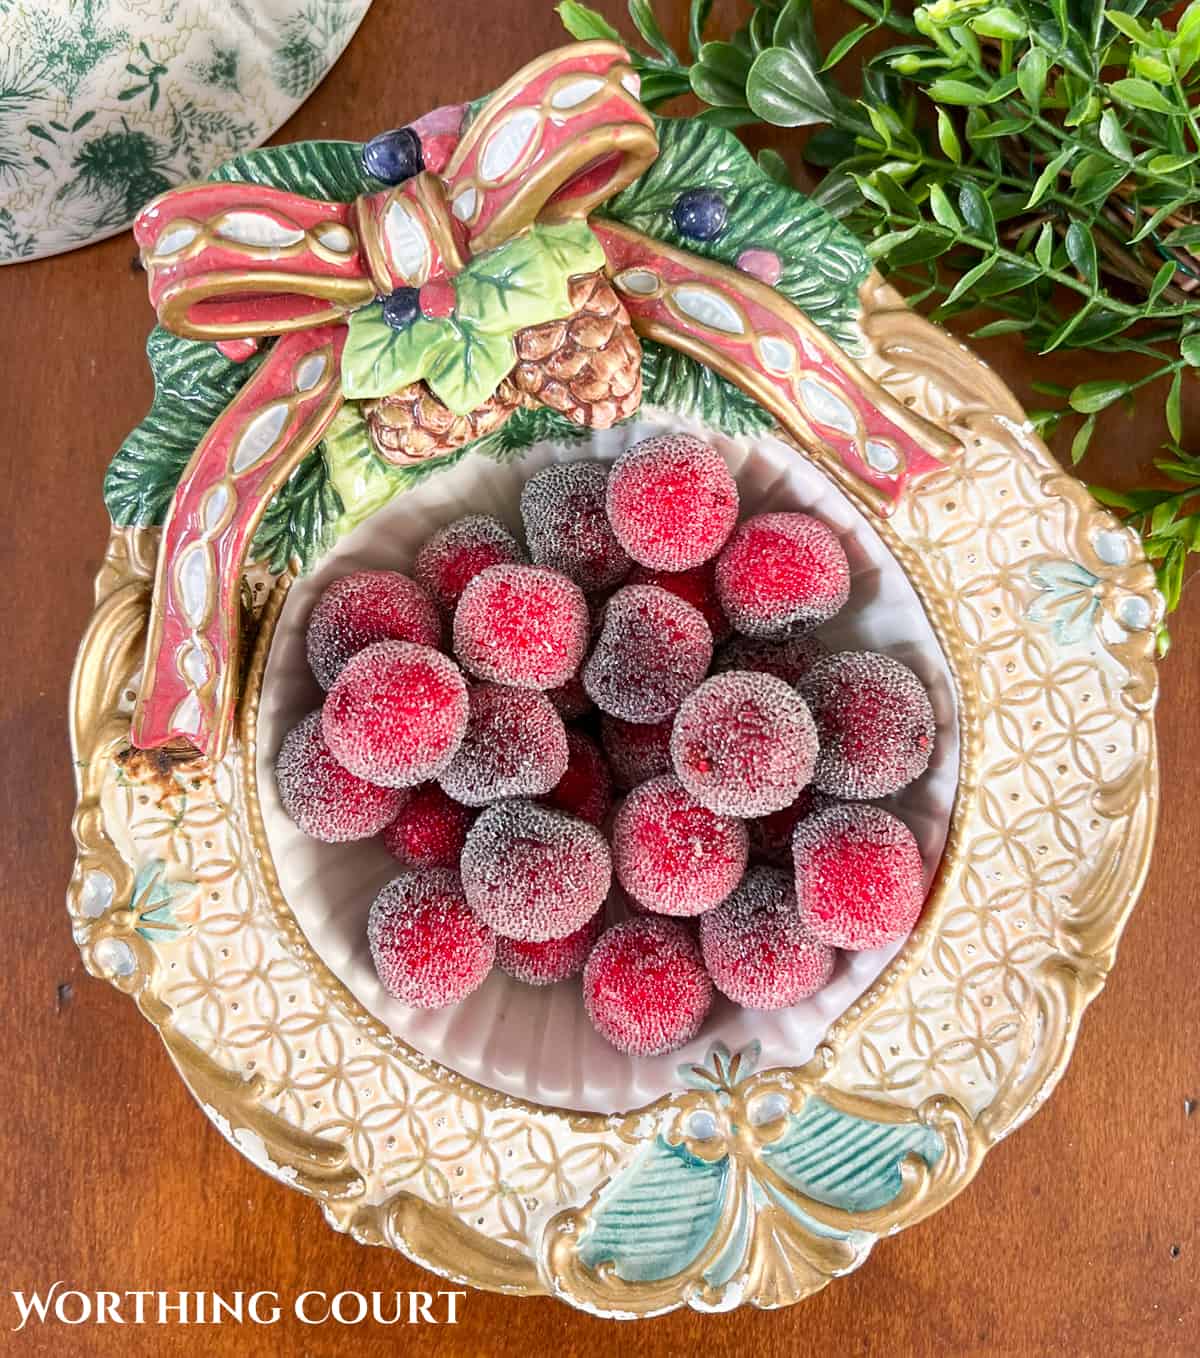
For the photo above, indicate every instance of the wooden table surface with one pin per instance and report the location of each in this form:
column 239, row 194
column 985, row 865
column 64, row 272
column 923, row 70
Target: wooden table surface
column 1078, row 1237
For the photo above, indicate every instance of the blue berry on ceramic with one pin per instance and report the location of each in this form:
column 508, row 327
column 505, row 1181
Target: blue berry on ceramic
column 393, row 156
column 402, row 307
column 700, row 214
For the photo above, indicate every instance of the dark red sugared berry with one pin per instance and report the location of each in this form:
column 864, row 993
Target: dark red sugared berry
column 396, row 714
column 645, row 987
column 672, row 502
column 515, row 746
column 429, row 831
column 360, row 609
column 428, row 947
column 782, row 573
column 771, row 835
column 673, row 855
column 637, row 751
column 789, row 659
column 585, row 789
column 859, row 877
column 455, row 555
column 874, row 721
column 533, row 873
column 744, row 744
column 756, row 949
column 700, row 214
column 570, row 699
column 566, row 526
column 522, row 625
column 325, row 800
column 652, row 650
column 554, row 959
column 697, row 587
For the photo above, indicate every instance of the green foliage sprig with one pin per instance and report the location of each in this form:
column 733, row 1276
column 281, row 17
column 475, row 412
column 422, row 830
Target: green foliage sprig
column 1037, row 161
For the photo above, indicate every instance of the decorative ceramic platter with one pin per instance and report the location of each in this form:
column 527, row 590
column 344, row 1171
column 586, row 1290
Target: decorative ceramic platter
column 108, row 102
column 495, row 1142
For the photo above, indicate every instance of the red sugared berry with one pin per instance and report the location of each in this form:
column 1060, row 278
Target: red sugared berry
column 756, row 949
column 697, row 587
column 554, row 959
column 744, row 744
column 358, row 610
column 874, row 721
column 522, row 625
column 533, row 873
column 673, row 855
column 567, row 529
column 789, row 659
column 455, row 555
column 325, row 800
column 782, row 573
column 570, row 699
column 637, row 751
column 585, row 789
column 515, row 746
column 771, row 835
column 645, row 988
column 430, row 830
column 428, row 947
column 672, row 502
column 653, row 649
column 396, row 714
column 859, row 877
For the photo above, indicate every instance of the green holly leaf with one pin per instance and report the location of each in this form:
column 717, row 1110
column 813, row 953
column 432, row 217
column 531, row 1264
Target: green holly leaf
column 378, row 359
column 465, row 373
column 524, row 281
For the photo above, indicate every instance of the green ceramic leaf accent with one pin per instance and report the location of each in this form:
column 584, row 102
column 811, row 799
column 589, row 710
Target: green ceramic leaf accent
column 299, row 522
column 318, row 169
column 673, row 380
column 159, row 904
column 379, row 359
column 655, row 1217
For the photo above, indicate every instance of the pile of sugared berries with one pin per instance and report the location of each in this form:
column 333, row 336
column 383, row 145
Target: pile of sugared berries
column 479, row 718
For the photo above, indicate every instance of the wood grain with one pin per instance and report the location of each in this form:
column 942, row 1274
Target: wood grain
column 1079, row 1237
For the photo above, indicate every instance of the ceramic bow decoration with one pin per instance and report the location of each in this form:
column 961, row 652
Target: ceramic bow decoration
column 482, row 276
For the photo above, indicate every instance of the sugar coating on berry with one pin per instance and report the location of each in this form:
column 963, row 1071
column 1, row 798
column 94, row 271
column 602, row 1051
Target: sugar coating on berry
column 522, row 625
column 429, row 831
column 673, row 855
column 533, row 873
column 396, row 714
column 455, row 555
column 757, row 950
column 637, row 751
column 570, row 699
column 859, row 876
column 428, row 947
column 652, row 650
column 515, row 746
column 645, row 988
column 553, row 959
column 585, row 788
column 744, row 744
column 789, row 659
column 325, row 800
column 771, row 835
column 566, row 525
column 360, row 609
column 697, row 587
column 781, row 574
column 874, row 721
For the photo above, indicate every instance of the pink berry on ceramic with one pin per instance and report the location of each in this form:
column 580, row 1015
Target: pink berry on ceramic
column 645, row 988
column 455, row 555
column 533, row 873
column 757, row 950
column 325, row 800
column 652, row 650
column 789, row 659
column 428, row 947
column 515, row 746
column 585, row 788
column 671, row 854
column 637, row 751
column 360, row 609
column 562, row 508
column 396, row 714
column 672, row 502
column 521, row 625
column 859, row 877
column 781, row 574
column 874, row 721
column 429, row 831
column 697, row 587
column 744, row 744
column 554, row 959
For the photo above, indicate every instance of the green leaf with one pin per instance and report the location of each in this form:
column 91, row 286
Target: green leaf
column 1161, row 280
column 719, row 76
column 1083, row 436
column 1127, row 24
column 976, row 210
column 300, row 522
column 794, row 30
column 845, row 45
column 1003, row 127
column 1183, row 236
column 316, row 169
column 465, row 374
column 948, row 138
column 1174, row 406
column 970, row 278
column 1081, row 251
column 379, row 360
column 1031, row 76
column 772, row 164
column 1168, row 164
column 942, row 209
column 1153, row 68
column 1043, row 251
column 1112, row 136
column 1140, row 94
column 697, row 17
column 585, row 23
column 783, row 89
column 999, row 22
column 947, row 91
column 1189, row 349
column 672, row 379
column 646, row 24
column 1049, row 177
column 1010, row 325
column 1089, row 397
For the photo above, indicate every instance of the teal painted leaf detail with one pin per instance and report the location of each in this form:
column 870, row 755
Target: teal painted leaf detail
column 160, row 904
column 677, row 382
column 847, row 1161
column 653, row 1219
column 299, row 523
